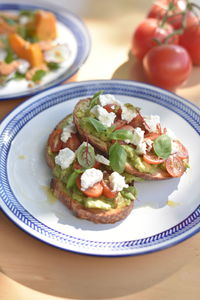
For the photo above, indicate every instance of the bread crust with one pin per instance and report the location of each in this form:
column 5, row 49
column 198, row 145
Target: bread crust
column 95, row 215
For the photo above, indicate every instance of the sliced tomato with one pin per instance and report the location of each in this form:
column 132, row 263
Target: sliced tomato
column 94, row 191
column 97, row 165
column 151, row 135
column 113, row 108
column 107, row 192
column 72, row 143
column 174, row 166
column 54, row 140
column 119, row 124
column 152, row 159
column 138, row 121
column 76, row 166
column 182, row 151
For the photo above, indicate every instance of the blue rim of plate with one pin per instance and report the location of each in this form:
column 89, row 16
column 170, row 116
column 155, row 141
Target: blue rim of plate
column 19, row 117
column 81, row 35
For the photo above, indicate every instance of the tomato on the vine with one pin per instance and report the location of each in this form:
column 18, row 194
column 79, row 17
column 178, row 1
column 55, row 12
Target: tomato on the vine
column 167, row 66
column 190, row 40
column 146, row 33
column 159, row 9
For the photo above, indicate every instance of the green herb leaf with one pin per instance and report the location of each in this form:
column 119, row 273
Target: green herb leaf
column 163, row 146
column 71, row 181
column 98, row 126
column 86, row 155
column 121, row 134
column 10, row 56
column 39, row 74
column 95, row 98
column 117, row 157
column 19, row 75
column 53, row 66
column 27, row 13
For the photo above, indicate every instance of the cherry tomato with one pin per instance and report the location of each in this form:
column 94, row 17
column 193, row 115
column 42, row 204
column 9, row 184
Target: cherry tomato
column 72, row 143
column 151, row 135
column 152, row 159
column 146, row 32
column 112, row 108
column 54, row 140
column 119, row 124
column 167, row 66
column 138, row 121
column 182, row 151
column 190, row 40
column 94, row 191
column 174, row 166
column 107, row 192
column 159, row 9
column 76, row 166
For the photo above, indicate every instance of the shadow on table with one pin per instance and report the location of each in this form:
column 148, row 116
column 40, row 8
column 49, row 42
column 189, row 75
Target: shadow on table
column 63, row 274
column 132, row 69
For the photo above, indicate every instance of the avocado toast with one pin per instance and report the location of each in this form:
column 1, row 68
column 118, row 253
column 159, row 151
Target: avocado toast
column 140, row 145
column 84, row 180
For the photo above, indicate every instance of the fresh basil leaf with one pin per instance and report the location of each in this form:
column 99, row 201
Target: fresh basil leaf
column 98, row 126
column 162, row 146
column 117, row 157
column 71, row 181
column 95, row 98
column 39, row 74
column 86, row 155
column 121, row 134
column 53, row 65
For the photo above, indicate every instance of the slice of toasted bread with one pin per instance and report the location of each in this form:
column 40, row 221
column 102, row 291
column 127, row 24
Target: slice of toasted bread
column 104, row 146
column 48, row 152
column 91, row 214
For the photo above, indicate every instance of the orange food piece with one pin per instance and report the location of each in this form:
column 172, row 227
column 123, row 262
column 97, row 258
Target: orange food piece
column 45, row 25
column 5, row 28
column 31, row 52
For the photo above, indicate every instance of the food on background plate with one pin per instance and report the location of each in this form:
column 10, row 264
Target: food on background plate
column 28, row 46
column 84, row 179
column 134, row 143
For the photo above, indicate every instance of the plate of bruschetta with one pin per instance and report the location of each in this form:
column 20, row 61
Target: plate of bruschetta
column 105, row 167
column 39, row 48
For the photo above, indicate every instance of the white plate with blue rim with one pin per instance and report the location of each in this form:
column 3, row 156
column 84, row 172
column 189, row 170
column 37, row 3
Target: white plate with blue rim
column 72, row 32
column 165, row 213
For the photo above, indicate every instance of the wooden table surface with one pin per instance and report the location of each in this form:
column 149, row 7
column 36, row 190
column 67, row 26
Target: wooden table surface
column 31, row 269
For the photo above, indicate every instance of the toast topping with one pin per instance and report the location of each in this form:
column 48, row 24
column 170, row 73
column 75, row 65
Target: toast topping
column 65, row 158
column 107, row 99
column 90, row 177
column 105, row 117
column 117, row 182
column 67, row 132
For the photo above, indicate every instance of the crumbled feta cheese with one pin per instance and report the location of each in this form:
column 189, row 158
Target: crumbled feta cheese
column 149, row 144
column 57, row 54
column 170, row 134
column 67, row 131
column 141, row 148
column 65, row 158
column 102, row 160
column 117, row 182
column 108, row 99
column 23, row 67
column 106, row 118
column 175, row 147
column 90, row 177
column 152, row 122
column 138, row 136
column 127, row 114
